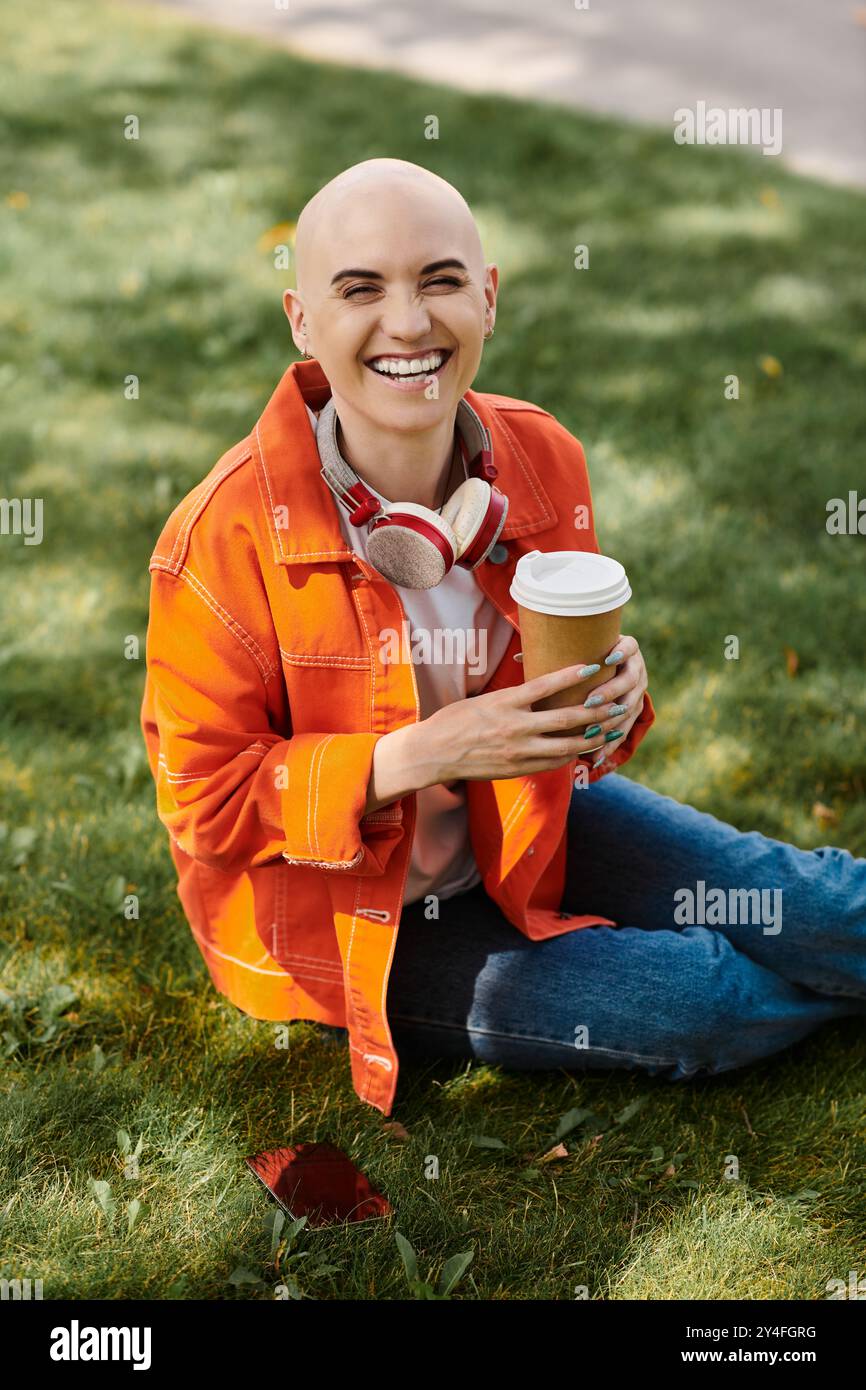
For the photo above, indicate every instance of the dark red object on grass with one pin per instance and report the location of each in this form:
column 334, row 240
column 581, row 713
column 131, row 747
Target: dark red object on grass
column 318, row 1181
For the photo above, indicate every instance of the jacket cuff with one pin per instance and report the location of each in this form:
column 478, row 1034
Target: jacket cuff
column 323, row 806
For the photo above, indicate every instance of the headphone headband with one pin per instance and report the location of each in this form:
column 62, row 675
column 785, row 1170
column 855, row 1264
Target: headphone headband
column 356, row 497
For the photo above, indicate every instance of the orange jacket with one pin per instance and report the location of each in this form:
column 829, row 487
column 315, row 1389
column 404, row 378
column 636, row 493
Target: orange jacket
column 265, row 698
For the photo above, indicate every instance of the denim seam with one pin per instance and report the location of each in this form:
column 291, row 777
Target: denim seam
column 530, row 1037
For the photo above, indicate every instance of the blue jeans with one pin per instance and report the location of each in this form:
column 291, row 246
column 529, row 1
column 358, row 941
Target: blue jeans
column 669, row 996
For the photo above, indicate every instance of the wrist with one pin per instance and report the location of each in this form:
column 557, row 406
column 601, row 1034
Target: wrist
column 401, row 764
column 421, row 755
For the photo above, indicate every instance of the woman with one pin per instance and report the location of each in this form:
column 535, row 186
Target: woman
column 328, row 769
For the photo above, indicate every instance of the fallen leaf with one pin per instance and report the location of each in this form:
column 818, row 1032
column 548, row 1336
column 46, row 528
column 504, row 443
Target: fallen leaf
column 394, row 1127
column 792, row 661
column 770, row 366
column 274, row 236
column 130, row 283
column 559, row 1151
column 484, row 1141
column 630, row 1110
column 571, row 1119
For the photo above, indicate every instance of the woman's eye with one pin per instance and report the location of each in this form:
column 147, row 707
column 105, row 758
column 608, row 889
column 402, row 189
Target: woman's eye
column 356, row 290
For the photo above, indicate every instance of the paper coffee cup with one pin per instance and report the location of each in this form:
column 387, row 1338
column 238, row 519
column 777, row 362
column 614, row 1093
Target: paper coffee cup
column 569, row 605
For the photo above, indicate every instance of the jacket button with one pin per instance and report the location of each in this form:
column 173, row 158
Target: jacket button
column 498, row 554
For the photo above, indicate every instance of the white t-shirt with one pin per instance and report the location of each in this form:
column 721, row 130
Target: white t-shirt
column 455, row 620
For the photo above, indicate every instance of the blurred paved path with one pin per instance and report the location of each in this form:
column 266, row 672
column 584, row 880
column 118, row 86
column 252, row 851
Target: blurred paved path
column 641, row 59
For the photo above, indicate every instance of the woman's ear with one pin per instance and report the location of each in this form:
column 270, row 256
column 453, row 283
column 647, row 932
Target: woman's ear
column 491, row 289
column 294, row 311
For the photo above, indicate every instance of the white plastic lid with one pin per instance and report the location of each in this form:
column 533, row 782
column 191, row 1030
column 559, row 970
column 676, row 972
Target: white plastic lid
column 569, row 582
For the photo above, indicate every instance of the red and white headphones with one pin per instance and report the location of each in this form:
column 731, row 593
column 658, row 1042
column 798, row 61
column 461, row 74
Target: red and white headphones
column 410, row 545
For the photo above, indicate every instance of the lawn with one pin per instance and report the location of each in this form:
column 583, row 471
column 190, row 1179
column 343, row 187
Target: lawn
column 152, row 258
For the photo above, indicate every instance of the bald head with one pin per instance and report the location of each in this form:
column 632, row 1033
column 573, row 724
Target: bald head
column 363, row 200
column 393, row 297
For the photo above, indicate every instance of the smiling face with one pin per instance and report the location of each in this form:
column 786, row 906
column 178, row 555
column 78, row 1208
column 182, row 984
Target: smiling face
column 393, row 294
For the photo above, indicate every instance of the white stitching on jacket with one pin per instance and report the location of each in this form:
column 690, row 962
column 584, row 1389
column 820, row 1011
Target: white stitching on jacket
column 323, row 747
column 372, row 1057
column 321, row 555
column 321, row 961
column 234, row 960
column 277, row 529
column 230, row 623
column 372, row 665
column 310, row 795
column 256, row 750
column 353, row 663
column 179, row 776
column 198, row 506
column 199, row 588
column 291, row 975
column 518, row 804
column 326, row 863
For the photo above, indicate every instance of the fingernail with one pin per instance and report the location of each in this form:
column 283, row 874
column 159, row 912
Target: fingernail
column 616, row 709
column 589, row 670
column 615, row 733
column 592, row 731
column 612, row 659
column 599, row 759
column 593, row 701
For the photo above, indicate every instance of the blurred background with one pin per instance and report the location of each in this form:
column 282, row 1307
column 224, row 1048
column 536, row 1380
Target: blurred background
column 156, row 258
column 621, row 58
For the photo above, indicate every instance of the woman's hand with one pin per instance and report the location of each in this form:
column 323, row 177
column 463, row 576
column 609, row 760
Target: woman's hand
column 498, row 734
column 623, row 693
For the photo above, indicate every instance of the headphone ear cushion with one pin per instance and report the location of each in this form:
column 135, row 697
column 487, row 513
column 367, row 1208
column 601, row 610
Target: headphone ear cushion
column 407, row 558
column 465, row 511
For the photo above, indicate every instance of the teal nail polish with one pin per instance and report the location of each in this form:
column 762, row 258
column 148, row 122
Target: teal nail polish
column 613, row 658
column 592, row 731
column 593, row 701
column 599, row 759
column 589, row 670
column 616, row 710
column 615, row 733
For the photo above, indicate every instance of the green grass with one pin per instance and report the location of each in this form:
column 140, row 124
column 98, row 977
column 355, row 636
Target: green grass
column 142, row 257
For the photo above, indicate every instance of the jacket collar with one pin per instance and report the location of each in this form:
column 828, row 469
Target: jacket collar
column 302, row 512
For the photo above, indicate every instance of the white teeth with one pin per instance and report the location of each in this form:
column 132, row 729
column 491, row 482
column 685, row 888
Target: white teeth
column 401, row 366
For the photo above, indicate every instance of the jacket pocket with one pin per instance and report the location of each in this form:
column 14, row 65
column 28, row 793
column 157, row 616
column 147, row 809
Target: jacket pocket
column 295, row 921
column 328, row 694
